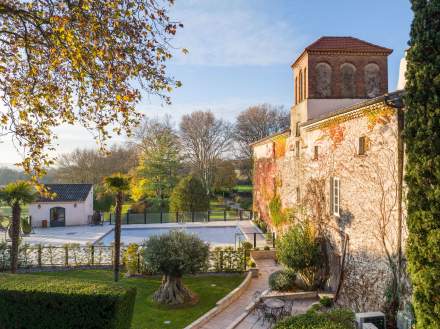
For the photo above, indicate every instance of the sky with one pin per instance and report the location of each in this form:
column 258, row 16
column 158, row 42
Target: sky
column 240, row 53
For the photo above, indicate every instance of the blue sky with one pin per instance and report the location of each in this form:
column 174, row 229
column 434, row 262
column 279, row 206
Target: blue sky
column 240, row 53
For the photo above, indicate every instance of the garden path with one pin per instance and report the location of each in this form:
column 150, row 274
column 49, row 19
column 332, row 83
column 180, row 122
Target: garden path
column 224, row 319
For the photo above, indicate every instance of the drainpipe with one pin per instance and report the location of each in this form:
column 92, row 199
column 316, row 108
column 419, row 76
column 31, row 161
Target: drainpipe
column 396, row 101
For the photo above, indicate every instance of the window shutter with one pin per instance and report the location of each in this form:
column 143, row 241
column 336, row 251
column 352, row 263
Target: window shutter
column 331, row 195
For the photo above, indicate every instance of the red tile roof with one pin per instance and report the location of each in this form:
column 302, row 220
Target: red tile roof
column 345, row 45
column 349, row 44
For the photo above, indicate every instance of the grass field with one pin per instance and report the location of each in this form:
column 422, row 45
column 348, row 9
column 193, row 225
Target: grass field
column 148, row 314
column 243, row 188
column 6, row 211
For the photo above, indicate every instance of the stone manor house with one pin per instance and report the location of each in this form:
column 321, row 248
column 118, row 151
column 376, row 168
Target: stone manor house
column 337, row 164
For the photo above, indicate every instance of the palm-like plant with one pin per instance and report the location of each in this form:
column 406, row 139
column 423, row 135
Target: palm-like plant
column 16, row 195
column 117, row 184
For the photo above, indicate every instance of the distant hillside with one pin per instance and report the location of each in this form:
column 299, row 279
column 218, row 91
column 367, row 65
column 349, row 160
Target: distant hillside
column 8, row 175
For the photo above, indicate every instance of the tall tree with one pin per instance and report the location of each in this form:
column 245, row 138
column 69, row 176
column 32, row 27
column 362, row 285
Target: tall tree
column 225, row 176
column 79, row 62
column 117, row 184
column 16, row 195
column 159, row 160
column 189, row 196
column 255, row 123
column 205, row 140
column 422, row 137
column 91, row 165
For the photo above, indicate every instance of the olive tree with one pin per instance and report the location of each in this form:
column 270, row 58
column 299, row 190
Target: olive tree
column 299, row 251
column 175, row 254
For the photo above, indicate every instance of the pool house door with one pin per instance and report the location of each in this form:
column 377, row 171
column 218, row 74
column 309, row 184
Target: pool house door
column 57, row 216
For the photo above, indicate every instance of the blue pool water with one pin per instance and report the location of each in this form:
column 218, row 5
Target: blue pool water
column 215, row 236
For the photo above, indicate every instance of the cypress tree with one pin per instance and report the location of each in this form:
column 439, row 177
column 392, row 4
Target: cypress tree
column 422, row 137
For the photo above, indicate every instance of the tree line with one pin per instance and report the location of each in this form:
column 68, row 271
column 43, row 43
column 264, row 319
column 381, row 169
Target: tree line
column 159, row 154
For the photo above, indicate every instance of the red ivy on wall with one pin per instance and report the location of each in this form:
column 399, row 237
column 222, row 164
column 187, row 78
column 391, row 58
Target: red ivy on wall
column 265, row 172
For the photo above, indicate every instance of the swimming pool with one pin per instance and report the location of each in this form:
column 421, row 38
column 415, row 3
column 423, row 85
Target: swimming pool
column 214, row 235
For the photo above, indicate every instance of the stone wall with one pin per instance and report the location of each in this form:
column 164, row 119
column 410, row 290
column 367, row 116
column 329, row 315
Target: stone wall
column 368, row 192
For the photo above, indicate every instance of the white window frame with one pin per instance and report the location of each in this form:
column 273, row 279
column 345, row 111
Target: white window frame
column 336, row 202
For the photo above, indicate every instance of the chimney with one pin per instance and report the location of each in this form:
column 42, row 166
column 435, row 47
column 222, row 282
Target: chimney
column 402, row 80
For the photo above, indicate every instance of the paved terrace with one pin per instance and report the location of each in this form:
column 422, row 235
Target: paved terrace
column 90, row 234
column 238, row 307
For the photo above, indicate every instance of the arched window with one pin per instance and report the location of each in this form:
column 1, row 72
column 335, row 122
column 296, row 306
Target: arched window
column 300, row 86
column 305, row 83
column 296, row 90
column 57, row 216
column 323, row 80
column 372, row 80
column 348, row 85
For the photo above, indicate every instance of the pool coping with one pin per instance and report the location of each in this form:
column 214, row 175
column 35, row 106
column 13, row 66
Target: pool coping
column 185, row 224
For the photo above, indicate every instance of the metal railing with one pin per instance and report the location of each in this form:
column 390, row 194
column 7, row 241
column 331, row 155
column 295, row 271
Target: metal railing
column 182, row 217
column 75, row 256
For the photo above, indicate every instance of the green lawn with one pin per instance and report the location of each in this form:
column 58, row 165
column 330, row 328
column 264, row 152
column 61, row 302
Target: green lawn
column 149, row 315
column 6, row 211
column 243, row 188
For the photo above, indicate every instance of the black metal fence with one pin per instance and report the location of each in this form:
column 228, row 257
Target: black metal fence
column 182, row 217
column 33, row 257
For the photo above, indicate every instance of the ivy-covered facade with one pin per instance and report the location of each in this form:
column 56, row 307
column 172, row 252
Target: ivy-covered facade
column 339, row 167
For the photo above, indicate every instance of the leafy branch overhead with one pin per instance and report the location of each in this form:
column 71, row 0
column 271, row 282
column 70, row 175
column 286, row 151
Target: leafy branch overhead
column 79, row 62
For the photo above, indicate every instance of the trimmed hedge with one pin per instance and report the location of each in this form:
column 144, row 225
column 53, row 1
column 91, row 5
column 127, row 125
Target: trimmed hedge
column 34, row 302
column 336, row 319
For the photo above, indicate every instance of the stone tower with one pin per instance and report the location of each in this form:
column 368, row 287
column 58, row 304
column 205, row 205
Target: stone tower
column 335, row 72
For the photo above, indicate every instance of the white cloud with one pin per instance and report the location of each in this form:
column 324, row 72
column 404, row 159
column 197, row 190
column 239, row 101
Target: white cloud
column 233, row 33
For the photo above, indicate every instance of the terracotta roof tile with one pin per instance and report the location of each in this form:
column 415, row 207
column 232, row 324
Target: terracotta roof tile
column 349, row 44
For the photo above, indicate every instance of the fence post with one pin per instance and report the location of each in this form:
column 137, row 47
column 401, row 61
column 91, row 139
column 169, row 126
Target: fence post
column 177, row 216
column 255, row 240
column 66, row 255
column 273, row 239
column 128, row 216
column 221, row 261
column 40, row 251
column 209, row 215
column 192, row 216
column 241, row 214
column 224, row 214
column 110, row 218
column 145, row 215
column 161, row 216
column 92, row 249
column 138, row 263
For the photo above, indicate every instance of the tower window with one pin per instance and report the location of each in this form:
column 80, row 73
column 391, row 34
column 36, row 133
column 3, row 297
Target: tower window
column 305, row 84
column 316, row 153
column 296, row 90
column 297, row 130
column 297, row 145
column 298, row 195
column 363, row 145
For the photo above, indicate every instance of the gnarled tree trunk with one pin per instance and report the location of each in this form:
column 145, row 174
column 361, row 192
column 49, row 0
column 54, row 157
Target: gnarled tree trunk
column 173, row 292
